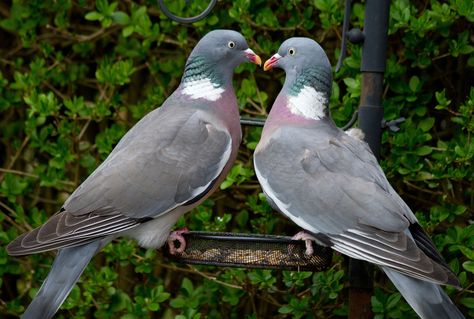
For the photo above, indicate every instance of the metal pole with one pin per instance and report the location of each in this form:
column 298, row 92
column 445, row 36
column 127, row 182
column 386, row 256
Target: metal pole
column 370, row 121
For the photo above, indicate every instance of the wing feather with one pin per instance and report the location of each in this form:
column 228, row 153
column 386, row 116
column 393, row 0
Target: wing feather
column 403, row 255
column 69, row 230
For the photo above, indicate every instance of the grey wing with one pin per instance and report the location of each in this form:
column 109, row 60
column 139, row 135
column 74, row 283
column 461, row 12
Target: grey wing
column 171, row 158
column 331, row 185
column 302, row 170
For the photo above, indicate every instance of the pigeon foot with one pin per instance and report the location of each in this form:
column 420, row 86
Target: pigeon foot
column 308, row 239
column 176, row 241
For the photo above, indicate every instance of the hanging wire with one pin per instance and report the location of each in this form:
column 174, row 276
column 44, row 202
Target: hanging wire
column 345, row 28
column 261, row 121
column 174, row 17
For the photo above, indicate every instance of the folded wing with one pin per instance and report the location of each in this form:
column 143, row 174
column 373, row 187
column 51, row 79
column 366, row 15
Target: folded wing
column 169, row 159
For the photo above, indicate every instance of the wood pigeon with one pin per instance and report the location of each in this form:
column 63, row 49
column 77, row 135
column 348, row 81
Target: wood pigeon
column 165, row 165
column 329, row 183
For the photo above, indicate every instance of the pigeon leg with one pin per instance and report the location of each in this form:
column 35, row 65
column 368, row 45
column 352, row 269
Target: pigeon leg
column 176, row 241
column 308, row 239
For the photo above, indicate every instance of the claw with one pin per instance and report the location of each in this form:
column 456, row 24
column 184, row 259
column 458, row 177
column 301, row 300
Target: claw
column 308, row 240
column 176, row 241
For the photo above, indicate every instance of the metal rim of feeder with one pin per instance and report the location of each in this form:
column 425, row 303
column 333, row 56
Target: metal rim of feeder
column 250, row 251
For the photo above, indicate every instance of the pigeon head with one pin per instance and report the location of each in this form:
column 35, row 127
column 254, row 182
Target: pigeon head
column 216, row 56
column 308, row 79
column 226, row 48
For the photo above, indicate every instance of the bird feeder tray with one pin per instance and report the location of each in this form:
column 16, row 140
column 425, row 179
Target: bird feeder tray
column 250, row 251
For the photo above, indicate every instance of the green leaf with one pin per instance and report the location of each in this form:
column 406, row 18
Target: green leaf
column 414, row 84
column 426, row 124
column 285, row 309
column 127, row 31
column 226, row 184
column 468, row 302
column 178, row 302
column 469, row 266
column 443, row 102
column 377, row 306
column 187, row 285
column 94, row 15
column 350, row 82
column 121, row 17
column 153, row 306
column 424, row 150
column 393, row 300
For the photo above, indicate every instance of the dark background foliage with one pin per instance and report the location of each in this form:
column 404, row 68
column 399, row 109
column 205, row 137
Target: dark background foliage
column 75, row 75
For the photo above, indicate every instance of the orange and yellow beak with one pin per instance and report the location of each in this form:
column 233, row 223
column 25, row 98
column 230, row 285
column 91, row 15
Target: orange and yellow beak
column 271, row 62
column 253, row 57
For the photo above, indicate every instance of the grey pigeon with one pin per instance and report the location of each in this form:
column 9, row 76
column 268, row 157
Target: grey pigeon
column 329, row 183
column 165, row 165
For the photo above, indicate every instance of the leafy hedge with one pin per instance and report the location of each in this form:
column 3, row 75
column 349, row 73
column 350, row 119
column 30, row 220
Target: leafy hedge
column 76, row 75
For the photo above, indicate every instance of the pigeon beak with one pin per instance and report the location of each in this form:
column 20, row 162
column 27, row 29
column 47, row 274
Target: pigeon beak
column 271, row 62
column 253, row 57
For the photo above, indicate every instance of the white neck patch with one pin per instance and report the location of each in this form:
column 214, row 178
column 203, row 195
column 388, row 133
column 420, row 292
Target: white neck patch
column 308, row 103
column 202, row 89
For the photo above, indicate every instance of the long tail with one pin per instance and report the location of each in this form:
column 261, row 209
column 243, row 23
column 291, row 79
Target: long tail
column 427, row 299
column 65, row 272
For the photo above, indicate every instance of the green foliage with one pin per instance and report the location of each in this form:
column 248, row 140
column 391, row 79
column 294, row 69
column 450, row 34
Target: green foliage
column 388, row 306
column 76, row 75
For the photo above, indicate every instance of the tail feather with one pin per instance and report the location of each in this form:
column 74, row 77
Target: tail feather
column 65, row 272
column 427, row 299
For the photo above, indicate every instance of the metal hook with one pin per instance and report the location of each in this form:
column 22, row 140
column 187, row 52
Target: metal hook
column 173, row 17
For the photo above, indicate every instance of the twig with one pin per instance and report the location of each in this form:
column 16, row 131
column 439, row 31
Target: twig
column 422, row 189
column 84, row 128
column 261, row 108
column 250, row 111
column 215, row 279
column 268, row 298
column 8, row 218
column 84, row 38
column 52, row 88
column 13, row 171
column 256, row 106
column 17, row 154
column 440, row 56
column 193, row 270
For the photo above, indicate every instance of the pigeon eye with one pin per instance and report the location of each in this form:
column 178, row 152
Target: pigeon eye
column 291, row 51
column 231, row 44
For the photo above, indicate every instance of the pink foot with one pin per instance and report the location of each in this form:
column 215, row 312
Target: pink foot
column 308, row 239
column 176, row 241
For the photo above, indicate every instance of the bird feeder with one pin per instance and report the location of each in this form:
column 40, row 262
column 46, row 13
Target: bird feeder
column 250, row 251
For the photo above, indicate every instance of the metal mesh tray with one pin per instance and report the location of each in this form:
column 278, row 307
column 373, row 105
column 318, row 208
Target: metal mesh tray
column 250, row 251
